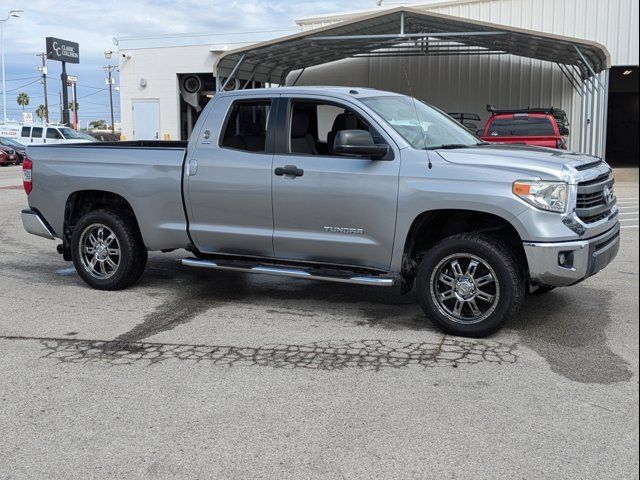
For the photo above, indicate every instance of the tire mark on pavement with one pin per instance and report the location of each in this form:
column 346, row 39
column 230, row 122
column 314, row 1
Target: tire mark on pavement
column 184, row 304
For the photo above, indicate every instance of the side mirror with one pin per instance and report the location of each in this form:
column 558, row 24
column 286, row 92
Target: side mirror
column 564, row 131
column 359, row 142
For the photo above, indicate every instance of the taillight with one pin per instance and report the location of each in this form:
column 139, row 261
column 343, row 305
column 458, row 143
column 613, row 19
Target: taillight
column 27, row 165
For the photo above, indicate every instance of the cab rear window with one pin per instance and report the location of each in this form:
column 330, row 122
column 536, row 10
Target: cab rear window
column 521, row 127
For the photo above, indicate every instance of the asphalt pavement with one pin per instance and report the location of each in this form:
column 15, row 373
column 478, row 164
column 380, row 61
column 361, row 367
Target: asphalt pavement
column 194, row 374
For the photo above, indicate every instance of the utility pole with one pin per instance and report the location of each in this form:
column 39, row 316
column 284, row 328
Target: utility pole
column 61, row 107
column 72, row 81
column 43, row 70
column 110, row 81
column 74, row 96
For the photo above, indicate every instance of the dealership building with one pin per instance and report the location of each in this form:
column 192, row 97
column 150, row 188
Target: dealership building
column 580, row 56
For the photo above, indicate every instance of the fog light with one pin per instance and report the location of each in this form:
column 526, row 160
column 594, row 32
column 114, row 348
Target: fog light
column 565, row 259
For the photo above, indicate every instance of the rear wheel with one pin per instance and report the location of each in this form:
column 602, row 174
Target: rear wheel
column 107, row 250
column 470, row 284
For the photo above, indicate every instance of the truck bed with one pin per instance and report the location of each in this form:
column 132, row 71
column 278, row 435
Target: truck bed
column 147, row 174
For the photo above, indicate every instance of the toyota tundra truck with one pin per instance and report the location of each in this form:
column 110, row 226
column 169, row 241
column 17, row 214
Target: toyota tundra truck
column 346, row 185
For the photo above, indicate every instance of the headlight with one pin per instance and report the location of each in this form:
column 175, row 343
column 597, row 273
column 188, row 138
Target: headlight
column 549, row 196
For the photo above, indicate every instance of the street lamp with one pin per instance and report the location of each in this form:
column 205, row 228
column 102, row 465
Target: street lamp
column 12, row 13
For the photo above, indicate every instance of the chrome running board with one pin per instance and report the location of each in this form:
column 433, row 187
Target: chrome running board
column 291, row 272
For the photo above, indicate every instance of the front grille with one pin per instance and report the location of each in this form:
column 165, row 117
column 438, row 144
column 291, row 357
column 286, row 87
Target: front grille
column 595, row 199
column 606, row 242
column 596, row 218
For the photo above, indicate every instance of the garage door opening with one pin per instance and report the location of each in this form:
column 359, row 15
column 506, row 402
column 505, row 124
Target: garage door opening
column 195, row 91
column 622, row 124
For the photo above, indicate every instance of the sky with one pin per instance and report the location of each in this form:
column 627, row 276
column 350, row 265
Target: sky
column 94, row 24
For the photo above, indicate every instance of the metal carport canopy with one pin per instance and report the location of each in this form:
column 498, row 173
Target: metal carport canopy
column 406, row 31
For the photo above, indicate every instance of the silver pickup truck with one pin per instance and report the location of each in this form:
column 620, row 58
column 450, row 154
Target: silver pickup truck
column 346, row 185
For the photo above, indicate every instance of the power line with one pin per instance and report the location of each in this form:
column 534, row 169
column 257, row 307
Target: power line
column 89, row 94
column 91, row 86
column 18, row 79
column 22, row 86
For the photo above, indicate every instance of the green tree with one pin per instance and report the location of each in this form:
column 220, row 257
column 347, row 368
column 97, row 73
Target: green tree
column 23, row 100
column 98, row 124
column 74, row 107
column 41, row 112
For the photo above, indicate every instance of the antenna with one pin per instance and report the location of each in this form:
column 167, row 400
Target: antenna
column 415, row 108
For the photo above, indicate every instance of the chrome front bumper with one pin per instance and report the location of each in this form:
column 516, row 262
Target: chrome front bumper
column 36, row 225
column 566, row 263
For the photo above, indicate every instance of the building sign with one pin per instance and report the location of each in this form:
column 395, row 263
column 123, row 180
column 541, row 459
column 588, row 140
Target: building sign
column 27, row 117
column 62, row 50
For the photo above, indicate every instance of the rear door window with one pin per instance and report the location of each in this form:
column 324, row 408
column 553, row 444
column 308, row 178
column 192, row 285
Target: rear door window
column 26, row 132
column 36, row 132
column 246, row 126
column 521, row 127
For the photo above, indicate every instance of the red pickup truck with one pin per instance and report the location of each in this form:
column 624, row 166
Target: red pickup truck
column 540, row 127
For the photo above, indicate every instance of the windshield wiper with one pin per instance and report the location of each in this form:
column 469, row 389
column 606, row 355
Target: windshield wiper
column 449, row 146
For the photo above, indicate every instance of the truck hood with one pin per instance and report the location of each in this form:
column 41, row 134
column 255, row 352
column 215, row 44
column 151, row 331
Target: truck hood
column 546, row 163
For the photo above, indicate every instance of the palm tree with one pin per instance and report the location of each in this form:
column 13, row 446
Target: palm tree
column 74, row 106
column 23, row 100
column 41, row 112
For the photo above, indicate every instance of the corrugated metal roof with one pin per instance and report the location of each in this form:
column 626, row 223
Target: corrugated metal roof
column 423, row 33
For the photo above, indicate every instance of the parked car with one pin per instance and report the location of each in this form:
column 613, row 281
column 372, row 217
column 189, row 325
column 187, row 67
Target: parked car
column 354, row 186
column 105, row 136
column 42, row 133
column 8, row 156
column 543, row 127
column 19, row 148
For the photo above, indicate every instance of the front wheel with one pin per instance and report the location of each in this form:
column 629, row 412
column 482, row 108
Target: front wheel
column 107, row 250
column 470, row 284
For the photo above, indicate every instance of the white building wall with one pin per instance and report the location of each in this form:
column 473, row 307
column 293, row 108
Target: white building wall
column 470, row 83
column 159, row 67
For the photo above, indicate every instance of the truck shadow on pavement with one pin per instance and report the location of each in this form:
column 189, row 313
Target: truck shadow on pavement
column 574, row 343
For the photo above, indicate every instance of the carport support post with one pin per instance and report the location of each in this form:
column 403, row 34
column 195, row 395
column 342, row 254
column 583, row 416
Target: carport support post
column 231, row 75
column 594, row 95
column 605, row 114
column 583, row 119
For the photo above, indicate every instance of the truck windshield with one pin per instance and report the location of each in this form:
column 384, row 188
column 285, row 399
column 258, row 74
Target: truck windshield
column 421, row 125
column 71, row 134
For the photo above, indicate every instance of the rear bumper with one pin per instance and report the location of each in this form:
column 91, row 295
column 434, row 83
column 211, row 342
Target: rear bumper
column 33, row 223
column 566, row 263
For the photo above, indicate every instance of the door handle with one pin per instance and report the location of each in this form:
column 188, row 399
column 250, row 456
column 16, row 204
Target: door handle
column 289, row 170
